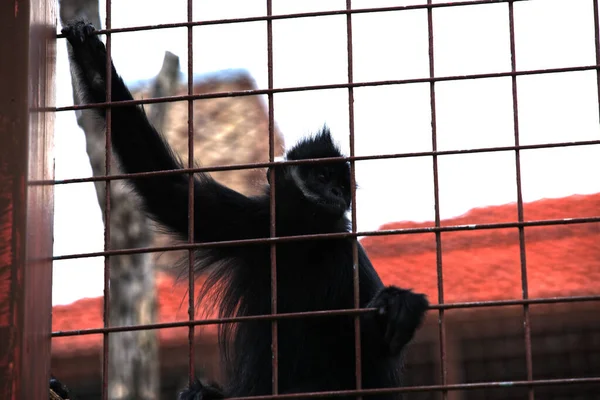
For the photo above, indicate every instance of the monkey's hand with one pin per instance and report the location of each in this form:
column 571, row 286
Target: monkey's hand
column 88, row 57
column 200, row 391
column 399, row 314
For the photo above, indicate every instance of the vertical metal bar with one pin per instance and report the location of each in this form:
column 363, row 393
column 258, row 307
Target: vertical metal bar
column 436, row 194
column 272, row 208
column 597, row 40
column 107, row 162
column 524, row 285
column 355, row 266
column 191, row 289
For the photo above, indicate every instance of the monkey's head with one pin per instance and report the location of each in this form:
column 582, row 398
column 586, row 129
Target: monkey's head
column 325, row 186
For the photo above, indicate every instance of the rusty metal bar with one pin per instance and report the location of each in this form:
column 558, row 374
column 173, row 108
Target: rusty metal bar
column 433, row 388
column 107, row 164
column 383, row 232
column 597, row 42
column 388, row 82
column 355, row 266
column 272, row 207
column 319, row 160
column 436, row 195
column 190, row 111
column 304, row 15
column 522, row 248
column 317, row 314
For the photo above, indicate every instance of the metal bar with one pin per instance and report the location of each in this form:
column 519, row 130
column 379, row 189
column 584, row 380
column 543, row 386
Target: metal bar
column 320, row 160
column 522, row 248
column 436, row 195
column 301, row 15
column 407, row 231
column 389, row 82
column 272, row 208
column 107, row 164
column 434, row 388
column 190, row 111
column 317, row 314
column 355, row 266
column 597, row 42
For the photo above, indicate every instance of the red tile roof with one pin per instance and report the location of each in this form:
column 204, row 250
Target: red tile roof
column 477, row 265
column 87, row 313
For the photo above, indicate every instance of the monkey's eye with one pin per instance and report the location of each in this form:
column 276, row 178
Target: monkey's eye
column 321, row 177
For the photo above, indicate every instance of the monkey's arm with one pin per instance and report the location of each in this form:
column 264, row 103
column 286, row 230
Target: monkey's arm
column 220, row 213
column 399, row 313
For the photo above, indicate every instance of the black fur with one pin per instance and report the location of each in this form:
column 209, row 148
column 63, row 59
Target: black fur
column 315, row 354
column 199, row 391
column 60, row 389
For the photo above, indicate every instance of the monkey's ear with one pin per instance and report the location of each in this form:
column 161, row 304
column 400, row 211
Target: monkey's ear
column 269, row 175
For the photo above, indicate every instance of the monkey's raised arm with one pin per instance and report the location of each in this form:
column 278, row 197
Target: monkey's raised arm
column 220, row 213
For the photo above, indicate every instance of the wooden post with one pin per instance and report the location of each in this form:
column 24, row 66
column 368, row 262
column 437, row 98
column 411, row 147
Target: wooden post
column 27, row 51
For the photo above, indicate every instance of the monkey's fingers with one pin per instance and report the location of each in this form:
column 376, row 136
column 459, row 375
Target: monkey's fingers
column 78, row 31
column 89, row 57
column 400, row 312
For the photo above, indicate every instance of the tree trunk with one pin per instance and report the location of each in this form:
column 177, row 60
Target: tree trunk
column 133, row 371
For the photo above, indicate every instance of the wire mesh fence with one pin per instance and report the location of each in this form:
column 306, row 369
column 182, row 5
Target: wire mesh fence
column 520, row 368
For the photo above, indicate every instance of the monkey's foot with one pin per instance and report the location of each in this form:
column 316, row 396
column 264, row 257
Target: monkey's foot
column 400, row 313
column 200, row 391
column 59, row 388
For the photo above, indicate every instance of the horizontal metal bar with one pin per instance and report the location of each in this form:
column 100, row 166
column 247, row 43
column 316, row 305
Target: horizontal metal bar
column 260, row 18
column 404, row 231
column 311, row 314
column 437, row 388
column 316, row 161
column 255, row 92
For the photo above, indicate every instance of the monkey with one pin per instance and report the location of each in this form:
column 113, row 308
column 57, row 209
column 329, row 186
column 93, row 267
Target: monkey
column 314, row 354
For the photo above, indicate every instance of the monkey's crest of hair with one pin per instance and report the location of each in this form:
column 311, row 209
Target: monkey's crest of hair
column 320, row 145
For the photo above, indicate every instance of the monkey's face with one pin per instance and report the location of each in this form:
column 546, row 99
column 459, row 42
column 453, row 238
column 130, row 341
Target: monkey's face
column 327, row 186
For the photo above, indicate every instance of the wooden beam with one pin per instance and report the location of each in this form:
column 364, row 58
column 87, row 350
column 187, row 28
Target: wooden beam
column 27, row 37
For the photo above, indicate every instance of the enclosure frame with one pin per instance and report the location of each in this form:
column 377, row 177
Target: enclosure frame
column 28, row 32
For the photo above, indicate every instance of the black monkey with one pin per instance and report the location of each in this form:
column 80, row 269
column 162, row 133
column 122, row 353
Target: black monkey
column 315, row 354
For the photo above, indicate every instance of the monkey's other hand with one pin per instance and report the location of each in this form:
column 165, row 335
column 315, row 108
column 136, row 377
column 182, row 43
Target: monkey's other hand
column 200, row 391
column 87, row 52
column 399, row 312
